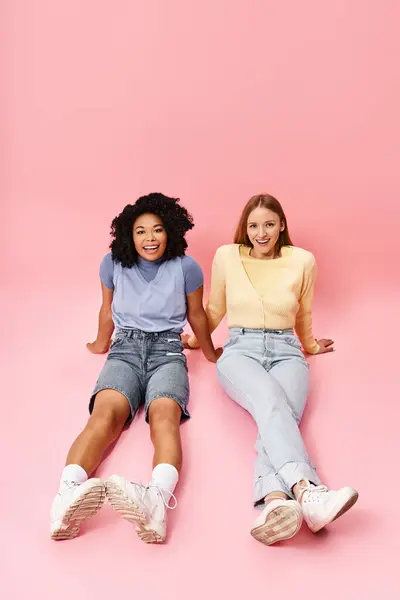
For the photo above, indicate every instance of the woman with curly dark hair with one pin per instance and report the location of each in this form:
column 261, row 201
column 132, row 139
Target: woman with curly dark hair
column 150, row 290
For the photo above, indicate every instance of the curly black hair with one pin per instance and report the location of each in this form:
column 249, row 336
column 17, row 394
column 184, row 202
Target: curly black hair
column 176, row 220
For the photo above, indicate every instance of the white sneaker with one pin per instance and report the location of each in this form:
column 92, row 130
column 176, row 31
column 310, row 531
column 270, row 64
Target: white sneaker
column 144, row 506
column 321, row 506
column 280, row 520
column 73, row 505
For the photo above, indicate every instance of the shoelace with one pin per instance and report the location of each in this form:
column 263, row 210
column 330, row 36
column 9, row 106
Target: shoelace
column 161, row 491
column 144, row 488
column 68, row 485
column 314, row 492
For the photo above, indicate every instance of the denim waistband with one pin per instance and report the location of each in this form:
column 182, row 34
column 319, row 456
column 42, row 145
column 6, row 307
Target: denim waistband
column 139, row 334
column 246, row 331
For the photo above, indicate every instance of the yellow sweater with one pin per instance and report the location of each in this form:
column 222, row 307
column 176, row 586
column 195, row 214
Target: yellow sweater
column 263, row 294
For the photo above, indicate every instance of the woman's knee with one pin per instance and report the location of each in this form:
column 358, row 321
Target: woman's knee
column 110, row 411
column 164, row 413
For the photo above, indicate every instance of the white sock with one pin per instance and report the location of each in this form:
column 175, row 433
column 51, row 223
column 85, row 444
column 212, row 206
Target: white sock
column 165, row 476
column 72, row 474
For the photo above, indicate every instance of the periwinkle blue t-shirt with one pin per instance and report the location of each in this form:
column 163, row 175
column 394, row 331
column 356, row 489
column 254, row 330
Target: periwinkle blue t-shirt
column 151, row 295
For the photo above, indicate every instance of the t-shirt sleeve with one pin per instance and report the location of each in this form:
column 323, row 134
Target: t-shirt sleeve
column 192, row 274
column 107, row 271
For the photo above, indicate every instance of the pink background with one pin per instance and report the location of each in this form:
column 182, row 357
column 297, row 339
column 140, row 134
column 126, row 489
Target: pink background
column 211, row 101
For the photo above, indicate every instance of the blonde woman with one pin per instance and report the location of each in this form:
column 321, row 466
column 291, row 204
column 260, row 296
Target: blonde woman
column 265, row 286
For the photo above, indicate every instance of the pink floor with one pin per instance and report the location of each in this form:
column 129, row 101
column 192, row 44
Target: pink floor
column 211, row 101
column 351, row 428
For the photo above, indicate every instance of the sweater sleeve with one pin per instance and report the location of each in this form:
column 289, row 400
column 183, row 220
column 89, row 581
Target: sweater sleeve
column 216, row 305
column 304, row 315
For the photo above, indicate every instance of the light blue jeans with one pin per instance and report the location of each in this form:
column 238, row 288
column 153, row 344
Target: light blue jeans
column 266, row 373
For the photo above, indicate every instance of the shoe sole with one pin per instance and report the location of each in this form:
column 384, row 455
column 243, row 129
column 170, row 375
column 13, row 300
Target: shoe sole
column 347, row 505
column 131, row 512
column 282, row 523
column 83, row 508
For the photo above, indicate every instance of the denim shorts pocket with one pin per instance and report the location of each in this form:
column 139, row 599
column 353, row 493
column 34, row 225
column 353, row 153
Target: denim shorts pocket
column 173, row 347
column 118, row 340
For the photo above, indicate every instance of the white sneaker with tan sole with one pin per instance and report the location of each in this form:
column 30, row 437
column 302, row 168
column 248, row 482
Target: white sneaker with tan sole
column 280, row 520
column 144, row 506
column 321, row 506
column 75, row 503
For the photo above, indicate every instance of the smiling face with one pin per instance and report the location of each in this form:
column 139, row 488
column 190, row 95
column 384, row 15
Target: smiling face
column 149, row 237
column 263, row 229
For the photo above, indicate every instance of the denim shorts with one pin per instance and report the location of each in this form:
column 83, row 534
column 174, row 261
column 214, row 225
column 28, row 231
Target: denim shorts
column 145, row 366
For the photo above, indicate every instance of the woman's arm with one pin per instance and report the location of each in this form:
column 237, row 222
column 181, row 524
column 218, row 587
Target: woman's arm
column 304, row 316
column 105, row 326
column 216, row 306
column 199, row 323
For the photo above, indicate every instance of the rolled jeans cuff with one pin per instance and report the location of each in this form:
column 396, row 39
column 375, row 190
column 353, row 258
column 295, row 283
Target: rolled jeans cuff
column 265, row 485
column 293, row 472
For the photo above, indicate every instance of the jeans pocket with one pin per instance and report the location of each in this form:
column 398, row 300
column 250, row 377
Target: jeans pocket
column 293, row 341
column 231, row 341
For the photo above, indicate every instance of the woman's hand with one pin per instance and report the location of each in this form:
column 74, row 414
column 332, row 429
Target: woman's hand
column 325, row 345
column 218, row 352
column 185, row 339
column 96, row 348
